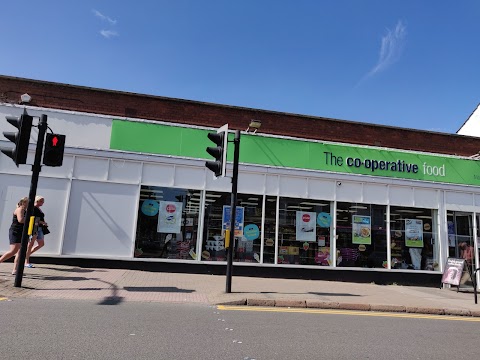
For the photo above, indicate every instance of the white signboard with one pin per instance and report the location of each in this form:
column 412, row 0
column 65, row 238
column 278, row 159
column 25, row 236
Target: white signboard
column 170, row 217
column 306, row 229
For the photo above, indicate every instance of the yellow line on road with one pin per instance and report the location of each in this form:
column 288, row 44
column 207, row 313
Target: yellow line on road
column 2, row 298
column 347, row 312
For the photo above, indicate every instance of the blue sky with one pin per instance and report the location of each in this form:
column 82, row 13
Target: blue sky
column 407, row 63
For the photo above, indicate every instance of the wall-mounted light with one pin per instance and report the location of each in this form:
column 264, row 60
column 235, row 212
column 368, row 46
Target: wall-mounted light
column 254, row 125
column 25, row 98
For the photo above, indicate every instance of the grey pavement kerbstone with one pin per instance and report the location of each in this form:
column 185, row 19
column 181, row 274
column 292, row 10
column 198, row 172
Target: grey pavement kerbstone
column 260, row 302
column 457, row 312
column 387, row 308
column 358, row 307
column 322, row 304
column 290, row 303
column 425, row 310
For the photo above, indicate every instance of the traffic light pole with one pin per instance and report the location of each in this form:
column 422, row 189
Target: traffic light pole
column 233, row 209
column 42, row 128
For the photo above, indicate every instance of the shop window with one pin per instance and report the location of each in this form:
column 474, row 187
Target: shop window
column 247, row 227
column 304, row 232
column 269, row 236
column 167, row 224
column 361, row 235
column 413, row 238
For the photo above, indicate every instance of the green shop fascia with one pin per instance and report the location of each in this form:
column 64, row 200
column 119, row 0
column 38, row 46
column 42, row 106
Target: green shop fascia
column 149, row 138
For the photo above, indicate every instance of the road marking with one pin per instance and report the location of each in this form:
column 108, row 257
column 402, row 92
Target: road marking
column 3, row 298
column 347, row 312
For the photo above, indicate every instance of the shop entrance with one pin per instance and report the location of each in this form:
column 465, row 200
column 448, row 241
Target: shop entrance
column 460, row 229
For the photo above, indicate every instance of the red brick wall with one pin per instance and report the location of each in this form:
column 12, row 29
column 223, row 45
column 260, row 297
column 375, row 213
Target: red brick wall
column 123, row 104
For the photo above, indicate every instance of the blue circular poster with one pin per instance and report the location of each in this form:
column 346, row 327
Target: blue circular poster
column 324, row 219
column 150, row 207
column 251, row 232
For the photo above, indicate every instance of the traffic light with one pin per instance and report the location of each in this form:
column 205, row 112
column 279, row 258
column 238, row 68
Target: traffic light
column 21, row 138
column 53, row 151
column 219, row 152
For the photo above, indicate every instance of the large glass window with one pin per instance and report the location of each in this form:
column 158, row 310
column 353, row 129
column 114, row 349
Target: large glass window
column 361, row 235
column 247, row 227
column 167, row 223
column 304, row 232
column 269, row 236
column 413, row 238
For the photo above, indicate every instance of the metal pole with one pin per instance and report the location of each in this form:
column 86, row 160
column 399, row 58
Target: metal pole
column 36, row 168
column 233, row 210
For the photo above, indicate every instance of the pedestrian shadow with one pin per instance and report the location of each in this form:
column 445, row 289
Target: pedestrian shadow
column 72, row 270
column 170, row 289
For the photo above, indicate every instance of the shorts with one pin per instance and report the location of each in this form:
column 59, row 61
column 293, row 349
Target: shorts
column 40, row 235
column 14, row 236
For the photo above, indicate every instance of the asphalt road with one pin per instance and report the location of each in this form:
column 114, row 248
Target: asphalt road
column 65, row 329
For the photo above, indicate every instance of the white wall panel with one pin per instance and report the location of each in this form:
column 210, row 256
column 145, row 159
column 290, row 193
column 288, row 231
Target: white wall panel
column 189, row 177
column 221, row 184
column 100, row 219
column 293, row 186
column 477, row 203
column 89, row 168
column 375, row 194
column 55, row 192
column 12, row 189
column 459, row 201
column 272, row 184
column 401, row 196
column 321, row 189
column 158, row 174
column 427, row 198
column 64, row 171
column 249, row 183
column 125, row 171
column 8, row 166
column 82, row 131
column 349, row 191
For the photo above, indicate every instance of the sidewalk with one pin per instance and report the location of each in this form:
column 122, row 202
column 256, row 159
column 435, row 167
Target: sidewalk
column 113, row 286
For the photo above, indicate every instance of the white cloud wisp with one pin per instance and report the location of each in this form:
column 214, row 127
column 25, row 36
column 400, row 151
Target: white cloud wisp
column 390, row 50
column 104, row 17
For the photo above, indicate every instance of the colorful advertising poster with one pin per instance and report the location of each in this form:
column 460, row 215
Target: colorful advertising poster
column 239, row 216
column 251, row 232
column 169, row 217
column 414, row 233
column 306, row 228
column 361, row 230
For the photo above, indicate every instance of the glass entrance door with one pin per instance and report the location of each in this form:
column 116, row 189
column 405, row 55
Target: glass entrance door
column 460, row 229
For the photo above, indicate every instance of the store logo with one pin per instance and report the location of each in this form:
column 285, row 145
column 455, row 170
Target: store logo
column 306, row 218
column 171, row 208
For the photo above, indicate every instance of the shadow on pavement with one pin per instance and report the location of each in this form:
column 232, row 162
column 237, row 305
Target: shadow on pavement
column 73, row 270
column 111, row 300
column 157, row 289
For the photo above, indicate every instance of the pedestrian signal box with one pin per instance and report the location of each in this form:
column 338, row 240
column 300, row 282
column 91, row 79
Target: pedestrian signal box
column 54, row 148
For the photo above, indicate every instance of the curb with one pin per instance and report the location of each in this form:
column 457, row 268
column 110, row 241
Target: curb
column 315, row 304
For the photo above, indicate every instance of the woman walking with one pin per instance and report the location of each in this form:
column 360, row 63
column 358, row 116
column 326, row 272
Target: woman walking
column 15, row 233
column 39, row 236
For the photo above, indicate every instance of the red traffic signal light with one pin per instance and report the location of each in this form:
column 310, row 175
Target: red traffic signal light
column 54, row 148
column 21, row 138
